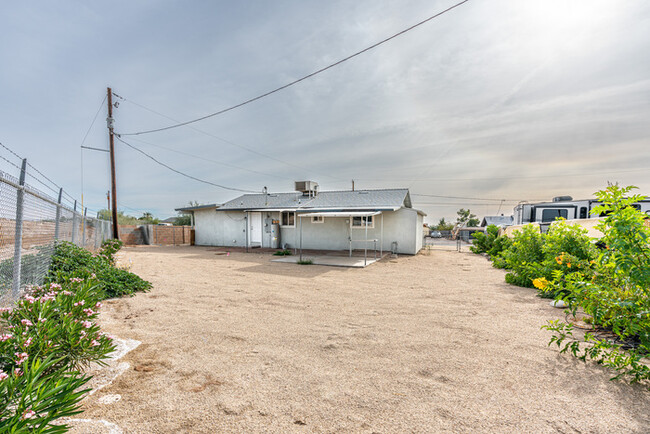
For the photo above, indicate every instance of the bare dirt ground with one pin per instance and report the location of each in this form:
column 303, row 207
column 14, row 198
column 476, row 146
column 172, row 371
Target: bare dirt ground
column 431, row 343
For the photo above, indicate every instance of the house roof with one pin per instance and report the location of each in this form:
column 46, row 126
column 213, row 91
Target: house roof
column 387, row 199
column 497, row 220
column 197, row 207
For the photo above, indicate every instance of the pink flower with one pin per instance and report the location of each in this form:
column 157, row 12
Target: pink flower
column 29, row 414
column 4, row 309
column 6, row 337
column 80, row 303
column 94, row 343
column 55, row 286
column 30, row 298
column 98, row 305
column 89, row 312
column 3, row 375
column 28, row 342
column 87, row 324
column 83, row 334
column 67, row 293
column 21, row 357
column 18, row 372
column 26, row 322
column 92, row 276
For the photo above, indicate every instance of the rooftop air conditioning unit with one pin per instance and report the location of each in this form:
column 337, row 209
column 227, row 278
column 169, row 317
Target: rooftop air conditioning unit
column 562, row 199
column 307, row 187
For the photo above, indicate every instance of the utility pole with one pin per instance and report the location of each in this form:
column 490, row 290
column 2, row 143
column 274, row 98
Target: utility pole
column 109, row 120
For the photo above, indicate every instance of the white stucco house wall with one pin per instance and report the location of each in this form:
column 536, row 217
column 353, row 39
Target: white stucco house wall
column 313, row 219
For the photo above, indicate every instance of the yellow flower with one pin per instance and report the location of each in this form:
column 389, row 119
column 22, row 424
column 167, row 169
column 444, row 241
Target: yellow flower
column 568, row 264
column 558, row 260
column 540, row 283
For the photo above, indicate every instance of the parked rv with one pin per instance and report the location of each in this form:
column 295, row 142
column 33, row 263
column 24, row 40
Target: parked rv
column 562, row 206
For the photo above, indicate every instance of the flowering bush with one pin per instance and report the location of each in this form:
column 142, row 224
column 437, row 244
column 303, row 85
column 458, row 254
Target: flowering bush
column 524, row 257
column 614, row 295
column 72, row 262
column 44, row 340
column 36, row 394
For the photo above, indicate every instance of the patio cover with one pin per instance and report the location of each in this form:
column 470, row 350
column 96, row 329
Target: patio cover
column 349, row 214
column 340, row 214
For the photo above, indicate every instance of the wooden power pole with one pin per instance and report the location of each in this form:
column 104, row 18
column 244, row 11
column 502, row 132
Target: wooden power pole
column 109, row 120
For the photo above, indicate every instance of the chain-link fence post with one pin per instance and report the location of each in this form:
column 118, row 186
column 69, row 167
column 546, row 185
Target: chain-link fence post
column 58, row 216
column 74, row 223
column 18, row 239
column 83, row 228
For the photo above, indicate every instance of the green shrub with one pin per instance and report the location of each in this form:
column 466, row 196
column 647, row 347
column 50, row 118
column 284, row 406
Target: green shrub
column 500, row 245
column 305, row 262
column 285, row 252
column 484, row 241
column 35, row 395
column 524, row 256
column 72, row 262
column 616, row 295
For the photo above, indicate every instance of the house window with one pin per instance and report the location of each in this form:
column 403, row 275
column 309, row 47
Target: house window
column 363, row 221
column 288, row 219
column 549, row 215
column 317, row 219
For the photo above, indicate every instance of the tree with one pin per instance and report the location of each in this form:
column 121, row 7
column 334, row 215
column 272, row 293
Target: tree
column 185, row 219
column 466, row 218
column 443, row 225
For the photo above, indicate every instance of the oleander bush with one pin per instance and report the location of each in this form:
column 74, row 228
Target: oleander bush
column 50, row 335
column 72, row 262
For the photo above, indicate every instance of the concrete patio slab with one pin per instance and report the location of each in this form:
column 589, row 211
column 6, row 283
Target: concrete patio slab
column 333, row 261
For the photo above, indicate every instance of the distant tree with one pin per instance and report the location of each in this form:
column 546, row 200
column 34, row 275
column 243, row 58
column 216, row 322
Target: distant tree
column 148, row 219
column 466, row 218
column 185, row 219
column 443, row 225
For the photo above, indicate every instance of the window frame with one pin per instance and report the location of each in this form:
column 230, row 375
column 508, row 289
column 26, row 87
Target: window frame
column 318, row 219
column 282, row 213
column 362, row 226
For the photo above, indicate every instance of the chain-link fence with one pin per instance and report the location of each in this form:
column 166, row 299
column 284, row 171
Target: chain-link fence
column 30, row 223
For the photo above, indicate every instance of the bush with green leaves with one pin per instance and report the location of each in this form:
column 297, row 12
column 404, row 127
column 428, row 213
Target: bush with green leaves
column 44, row 340
column 615, row 297
column 524, row 257
column 484, row 241
column 72, row 262
column 37, row 394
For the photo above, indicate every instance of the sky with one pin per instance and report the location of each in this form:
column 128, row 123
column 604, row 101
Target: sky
column 494, row 102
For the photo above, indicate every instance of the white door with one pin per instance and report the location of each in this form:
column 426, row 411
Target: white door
column 255, row 228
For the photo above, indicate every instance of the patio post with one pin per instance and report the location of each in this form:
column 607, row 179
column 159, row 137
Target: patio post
column 365, row 246
column 300, row 218
column 381, row 237
column 246, row 223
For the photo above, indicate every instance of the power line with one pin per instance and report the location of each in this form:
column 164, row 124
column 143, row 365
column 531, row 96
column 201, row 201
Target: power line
column 179, row 172
column 253, row 151
column 465, row 198
column 248, row 101
column 82, row 146
column 202, row 158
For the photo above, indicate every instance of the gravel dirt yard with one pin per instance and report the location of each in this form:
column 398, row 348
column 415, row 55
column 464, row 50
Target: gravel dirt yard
column 431, row 343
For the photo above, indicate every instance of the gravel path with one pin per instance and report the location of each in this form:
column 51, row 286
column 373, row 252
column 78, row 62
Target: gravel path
column 431, row 343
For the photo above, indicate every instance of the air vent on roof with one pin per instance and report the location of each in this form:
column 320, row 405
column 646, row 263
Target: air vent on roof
column 562, row 198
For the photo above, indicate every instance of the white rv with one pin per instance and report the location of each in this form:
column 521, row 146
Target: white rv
column 562, row 206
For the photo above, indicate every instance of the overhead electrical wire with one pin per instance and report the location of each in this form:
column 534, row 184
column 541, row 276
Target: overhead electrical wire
column 253, row 151
column 466, row 198
column 179, row 172
column 203, row 158
column 82, row 148
column 248, row 101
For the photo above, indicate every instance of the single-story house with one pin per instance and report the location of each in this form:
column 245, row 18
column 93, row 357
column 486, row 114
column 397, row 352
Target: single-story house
column 313, row 219
column 497, row 220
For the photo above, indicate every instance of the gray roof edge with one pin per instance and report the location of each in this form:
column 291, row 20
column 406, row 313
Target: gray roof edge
column 198, row 207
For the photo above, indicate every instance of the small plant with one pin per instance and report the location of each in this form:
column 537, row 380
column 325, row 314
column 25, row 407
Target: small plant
column 285, row 252
column 305, row 262
column 484, row 241
column 524, row 256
